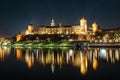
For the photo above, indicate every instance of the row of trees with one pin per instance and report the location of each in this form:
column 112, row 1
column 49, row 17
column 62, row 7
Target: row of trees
column 48, row 37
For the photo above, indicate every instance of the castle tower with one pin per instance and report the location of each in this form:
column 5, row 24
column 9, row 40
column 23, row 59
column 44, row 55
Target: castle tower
column 52, row 22
column 30, row 28
column 18, row 37
column 95, row 27
column 83, row 24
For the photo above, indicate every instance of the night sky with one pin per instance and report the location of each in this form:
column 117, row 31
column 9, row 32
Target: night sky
column 15, row 15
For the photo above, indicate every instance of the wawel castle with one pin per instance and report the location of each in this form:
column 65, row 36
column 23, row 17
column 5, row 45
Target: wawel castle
column 66, row 32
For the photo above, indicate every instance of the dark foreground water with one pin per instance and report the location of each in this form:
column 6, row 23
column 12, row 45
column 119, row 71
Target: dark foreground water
column 59, row 64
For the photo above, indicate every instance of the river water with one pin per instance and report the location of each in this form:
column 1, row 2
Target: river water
column 63, row 63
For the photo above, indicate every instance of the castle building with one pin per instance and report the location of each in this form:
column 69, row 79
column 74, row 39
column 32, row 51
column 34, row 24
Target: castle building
column 95, row 27
column 111, row 35
column 81, row 30
column 67, row 29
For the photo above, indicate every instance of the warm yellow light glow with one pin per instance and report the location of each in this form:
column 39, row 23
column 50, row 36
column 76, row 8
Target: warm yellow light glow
column 19, row 37
column 95, row 27
column 1, row 54
column 83, row 24
column 84, row 64
column 48, row 58
column 18, row 54
column 77, row 61
column 95, row 64
column 30, row 63
column 30, row 27
column 83, row 70
column 29, row 60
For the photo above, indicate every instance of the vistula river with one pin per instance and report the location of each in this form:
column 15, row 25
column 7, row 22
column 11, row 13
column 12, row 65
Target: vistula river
column 63, row 63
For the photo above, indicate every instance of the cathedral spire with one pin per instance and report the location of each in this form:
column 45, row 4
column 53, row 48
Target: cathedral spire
column 60, row 24
column 52, row 22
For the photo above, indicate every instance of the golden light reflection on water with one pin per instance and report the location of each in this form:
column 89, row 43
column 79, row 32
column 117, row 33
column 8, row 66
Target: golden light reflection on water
column 95, row 64
column 4, row 51
column 59, row 57
column 1, row 54
column 18, row 54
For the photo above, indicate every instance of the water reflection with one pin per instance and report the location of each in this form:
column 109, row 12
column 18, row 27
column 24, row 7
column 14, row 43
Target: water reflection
column 59, row 57
column 4, row 51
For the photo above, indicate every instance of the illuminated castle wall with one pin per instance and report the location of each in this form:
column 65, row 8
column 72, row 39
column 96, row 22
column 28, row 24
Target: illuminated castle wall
column 81, row 29
column 60, row 29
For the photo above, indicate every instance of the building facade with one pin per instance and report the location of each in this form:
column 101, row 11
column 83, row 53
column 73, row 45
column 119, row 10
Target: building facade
column 81, row 30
